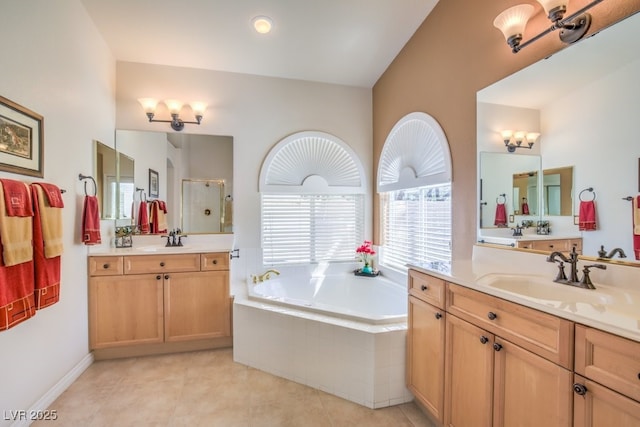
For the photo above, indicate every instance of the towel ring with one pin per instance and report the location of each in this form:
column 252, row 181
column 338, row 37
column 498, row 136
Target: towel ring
column 590, row 189
column 504, row 197
column 142, row 193
column 95, row 186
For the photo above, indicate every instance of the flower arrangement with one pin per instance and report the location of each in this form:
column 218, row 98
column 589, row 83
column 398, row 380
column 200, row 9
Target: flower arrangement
column 365, row 254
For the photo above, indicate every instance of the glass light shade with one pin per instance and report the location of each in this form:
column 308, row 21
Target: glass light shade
column 173, row 105
column 149, row 104
column 262, row 24
column 532, row 136
column 198, row 108
column 519, row 135
column 506, row 134
column 552, row 4
column 513, row 20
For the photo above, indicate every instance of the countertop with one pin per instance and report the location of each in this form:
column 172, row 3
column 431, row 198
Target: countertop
column 624, row 280
column 155, row 245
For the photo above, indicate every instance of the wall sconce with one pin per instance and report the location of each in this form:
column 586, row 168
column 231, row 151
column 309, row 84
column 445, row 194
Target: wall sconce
column 513, row 140
column 572, row 28
column 174, row 106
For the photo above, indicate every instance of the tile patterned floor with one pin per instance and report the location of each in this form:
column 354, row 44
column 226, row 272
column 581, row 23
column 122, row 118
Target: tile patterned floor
column 208, row 388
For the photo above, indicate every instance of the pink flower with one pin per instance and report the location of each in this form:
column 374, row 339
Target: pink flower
column 365, row 252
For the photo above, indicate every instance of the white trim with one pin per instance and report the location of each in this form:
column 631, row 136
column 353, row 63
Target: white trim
column 54, row 392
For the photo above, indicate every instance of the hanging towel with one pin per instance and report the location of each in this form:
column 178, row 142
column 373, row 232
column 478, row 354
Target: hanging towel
column 50, row 217
column 525, row 207
column 16, row 293
column 143, row 218
column 501, row 215
column 46, row 268
column 636, row 226
column 135, row 210
column 228, row 214
column 91, row 221
column 157, row 217
column 16, row 222
column 587, row 216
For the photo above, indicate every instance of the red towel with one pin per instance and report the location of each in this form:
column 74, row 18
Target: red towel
column 16, row 198
column 53, row 193
column 143, row 218
column 91, row 221
column 501, row 215
column 525, row 208
column 587, row 216
column 46, row 270
column 636, row 226
column 16, row 293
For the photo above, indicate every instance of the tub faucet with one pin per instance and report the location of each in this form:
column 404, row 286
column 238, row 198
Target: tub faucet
column 572, row 260
column 603, row 254
column 264, row 276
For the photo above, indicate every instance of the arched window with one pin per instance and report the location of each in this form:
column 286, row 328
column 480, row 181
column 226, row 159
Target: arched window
column 414, row 183
column 312, row 190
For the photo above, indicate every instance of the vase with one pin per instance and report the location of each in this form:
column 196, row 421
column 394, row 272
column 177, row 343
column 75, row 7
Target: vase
column 367, row 269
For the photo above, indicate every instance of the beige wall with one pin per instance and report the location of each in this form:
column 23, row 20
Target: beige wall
column 456, row 52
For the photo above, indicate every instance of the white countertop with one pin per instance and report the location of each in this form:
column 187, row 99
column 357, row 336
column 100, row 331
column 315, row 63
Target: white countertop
column 155, row 245
column 624, row 280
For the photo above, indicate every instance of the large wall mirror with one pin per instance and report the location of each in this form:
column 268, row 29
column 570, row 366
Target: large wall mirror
column 584, row 101
column 159, row 163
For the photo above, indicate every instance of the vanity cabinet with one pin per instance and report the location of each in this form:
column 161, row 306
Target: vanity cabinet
column 425, row 341
column 551, row 245
column 155, row 299
column 607, row 380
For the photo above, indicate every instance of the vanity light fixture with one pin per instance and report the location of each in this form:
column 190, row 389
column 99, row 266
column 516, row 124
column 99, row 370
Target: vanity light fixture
column 513, row 140
column 572, row 28
column 174, row 106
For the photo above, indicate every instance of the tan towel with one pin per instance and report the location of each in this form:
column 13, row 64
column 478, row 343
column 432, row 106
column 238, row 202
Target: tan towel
column 51, row 224
column 16, row 233
column 636, row 215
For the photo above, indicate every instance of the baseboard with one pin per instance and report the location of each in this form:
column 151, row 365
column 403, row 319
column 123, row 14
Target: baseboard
column 54, row 392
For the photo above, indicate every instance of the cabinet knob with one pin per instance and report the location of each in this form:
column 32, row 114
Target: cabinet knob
column 438, row 315
column 105, row 266
column 166, row 277
column 580, row 389
column 551, row 246
column 497, row 347
column 158, row 277
column 484, row 339
column 162, row 264
column 424, row 287
column 215, row 261
column 492, row 316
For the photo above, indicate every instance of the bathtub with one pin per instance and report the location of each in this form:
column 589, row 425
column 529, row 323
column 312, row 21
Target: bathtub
column 373, row 300
column 339, row 333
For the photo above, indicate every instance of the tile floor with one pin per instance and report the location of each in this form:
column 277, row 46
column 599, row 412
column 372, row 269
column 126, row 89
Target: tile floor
column 207, row 388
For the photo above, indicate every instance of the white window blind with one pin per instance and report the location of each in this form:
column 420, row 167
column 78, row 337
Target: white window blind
column 416, row 225
column 307, row 228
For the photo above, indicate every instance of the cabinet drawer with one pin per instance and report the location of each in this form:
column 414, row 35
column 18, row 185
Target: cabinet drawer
column 215, row 261
column 161, row 263
column 544, row 334
column 105, row 265
column 427, row 288
column 608, row 359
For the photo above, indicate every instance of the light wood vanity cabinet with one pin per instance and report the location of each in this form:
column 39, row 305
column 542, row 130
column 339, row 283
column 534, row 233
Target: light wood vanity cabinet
column 551, row 245
column 154, row 299
column 607, row 380
column 426, row 341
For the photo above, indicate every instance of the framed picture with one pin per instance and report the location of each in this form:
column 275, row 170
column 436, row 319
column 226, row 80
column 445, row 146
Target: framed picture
column 21, row 140
column 154, row 185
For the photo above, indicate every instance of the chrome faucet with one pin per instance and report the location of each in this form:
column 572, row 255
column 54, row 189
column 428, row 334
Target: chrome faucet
column 264, row 276
column 572, row 260
column 603, row 254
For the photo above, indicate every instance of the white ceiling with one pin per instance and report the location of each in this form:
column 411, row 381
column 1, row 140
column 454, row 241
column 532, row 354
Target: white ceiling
column 348, row 42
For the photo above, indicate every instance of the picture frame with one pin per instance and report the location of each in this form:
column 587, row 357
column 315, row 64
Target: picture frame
column 21, row 140
column 154, row 183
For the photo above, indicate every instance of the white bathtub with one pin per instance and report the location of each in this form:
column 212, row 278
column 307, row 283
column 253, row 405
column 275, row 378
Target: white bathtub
column 373, row 300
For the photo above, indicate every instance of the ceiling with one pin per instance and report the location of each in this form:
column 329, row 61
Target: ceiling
column 349, row 42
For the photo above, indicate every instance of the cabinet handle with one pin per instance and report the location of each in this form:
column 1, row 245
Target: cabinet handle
column 158, row 277
column 551, row 246
column 497, row 347
column 215, row 261
column 423, row 287
column 492, row 316
column 162, row 264
column 484, row 339
column 438, row 315
column 580, row 389
column 166, row 277
column 105, row 266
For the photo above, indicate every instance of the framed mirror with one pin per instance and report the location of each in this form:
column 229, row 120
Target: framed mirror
column 106, row 174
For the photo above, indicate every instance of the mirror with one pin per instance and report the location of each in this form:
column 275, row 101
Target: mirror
column 105, row 174
column 174, row 157
column 203, row 206
column 584, row 101
column 126, row 185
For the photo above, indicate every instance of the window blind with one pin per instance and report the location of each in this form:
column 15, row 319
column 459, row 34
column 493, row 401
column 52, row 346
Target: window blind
column 416, row 225
column 307, row 228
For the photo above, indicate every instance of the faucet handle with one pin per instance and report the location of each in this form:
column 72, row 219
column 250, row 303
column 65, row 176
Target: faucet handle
column 561, row 277
column 586, row 280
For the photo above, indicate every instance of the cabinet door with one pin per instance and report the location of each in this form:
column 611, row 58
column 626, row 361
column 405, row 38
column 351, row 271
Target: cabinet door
column 529, row 391
column 469, row 374
column 595, row 405
column 425, row 355
column 125, row 310
column 197, row 305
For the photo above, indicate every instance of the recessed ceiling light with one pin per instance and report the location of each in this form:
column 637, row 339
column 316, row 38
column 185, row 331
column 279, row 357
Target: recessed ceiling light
column 262, row 24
